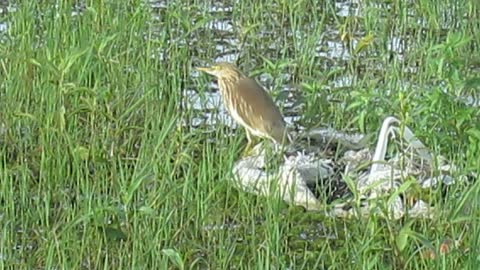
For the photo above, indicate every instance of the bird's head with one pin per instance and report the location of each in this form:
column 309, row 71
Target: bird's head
column 222, row 70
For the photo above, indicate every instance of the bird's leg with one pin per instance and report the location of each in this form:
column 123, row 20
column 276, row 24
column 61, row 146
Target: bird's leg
column 249, row 144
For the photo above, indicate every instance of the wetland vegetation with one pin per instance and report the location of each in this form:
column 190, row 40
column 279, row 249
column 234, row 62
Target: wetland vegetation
column 117, row 154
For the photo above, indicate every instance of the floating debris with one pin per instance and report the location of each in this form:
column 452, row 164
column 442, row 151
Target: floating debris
column 380, row 181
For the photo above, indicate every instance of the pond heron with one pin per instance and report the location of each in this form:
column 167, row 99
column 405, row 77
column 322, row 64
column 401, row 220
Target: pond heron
column 249, row 104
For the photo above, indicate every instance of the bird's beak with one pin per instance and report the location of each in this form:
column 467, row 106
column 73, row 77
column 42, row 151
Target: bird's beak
column 204, row 69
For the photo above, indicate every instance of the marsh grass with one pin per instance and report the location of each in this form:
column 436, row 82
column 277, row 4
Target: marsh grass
column 99, row 169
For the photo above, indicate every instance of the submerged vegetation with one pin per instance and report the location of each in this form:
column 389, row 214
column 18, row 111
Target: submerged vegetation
column 116, row 153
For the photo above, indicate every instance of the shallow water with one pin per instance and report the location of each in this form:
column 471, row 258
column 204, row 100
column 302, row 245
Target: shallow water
column 330, row 52
column 224, row 41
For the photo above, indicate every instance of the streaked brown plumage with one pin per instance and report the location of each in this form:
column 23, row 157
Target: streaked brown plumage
column 249, row 104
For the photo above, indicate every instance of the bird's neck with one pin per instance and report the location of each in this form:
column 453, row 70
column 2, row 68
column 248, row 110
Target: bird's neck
column 232, row 78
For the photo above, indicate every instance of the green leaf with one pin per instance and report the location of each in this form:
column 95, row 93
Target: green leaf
column 174, row 257
column 364, row 43
column 114, row 233
column 80, row 152
column 402, row 238
column 473, row 132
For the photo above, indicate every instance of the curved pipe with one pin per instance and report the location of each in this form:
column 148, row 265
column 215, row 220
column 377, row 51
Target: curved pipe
column 382, row 143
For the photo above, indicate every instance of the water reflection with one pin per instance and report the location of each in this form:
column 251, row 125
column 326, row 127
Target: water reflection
column 226, row 44
column 347, row 8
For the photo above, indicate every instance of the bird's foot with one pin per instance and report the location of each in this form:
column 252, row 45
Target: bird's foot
column 252, row 149
column 247, row 151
